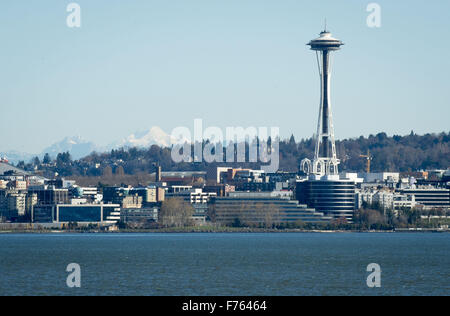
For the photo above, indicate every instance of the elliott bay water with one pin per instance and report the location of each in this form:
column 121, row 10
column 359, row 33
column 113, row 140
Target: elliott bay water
column 225, row 264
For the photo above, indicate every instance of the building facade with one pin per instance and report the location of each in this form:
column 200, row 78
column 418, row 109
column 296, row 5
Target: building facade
column 103, row 214
column 262, row 209
column 430, row 198
column 335, row 198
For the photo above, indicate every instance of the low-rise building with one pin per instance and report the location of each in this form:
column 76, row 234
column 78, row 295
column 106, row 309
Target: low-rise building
column 139, row 215
column 381, row 177
column 193, row 196
column 16, row 204
column 429, row 197
column 131, row 201
column 18, row 185
column 262, row 209
column 102, row 214
column 49, row 195
column 150, row 195
column 385, row 199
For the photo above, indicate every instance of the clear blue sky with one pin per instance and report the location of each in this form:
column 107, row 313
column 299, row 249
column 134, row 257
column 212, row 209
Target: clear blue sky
column 135, row 64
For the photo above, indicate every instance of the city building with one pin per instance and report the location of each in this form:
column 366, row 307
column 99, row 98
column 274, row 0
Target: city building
column 131, row 201
column 17, row 203
column 264, row 208
column 182, row 177
column 61, row 183
column 49, row 195
column 382, row 177
column 429, row 197
column 102, row 214
column 18, row 185
column 84, row 195
column 150, row 195
column 193, row 196
column 256, row 186
column 139, row 215
column 336, row 198
column 216, row 174
column 173, row 189
column 386, row 199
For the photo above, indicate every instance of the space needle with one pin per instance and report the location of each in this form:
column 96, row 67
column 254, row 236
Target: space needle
column 324, row 189
column 325, row 161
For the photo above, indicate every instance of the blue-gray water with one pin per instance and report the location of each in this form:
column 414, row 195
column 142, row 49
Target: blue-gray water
column 225, row 264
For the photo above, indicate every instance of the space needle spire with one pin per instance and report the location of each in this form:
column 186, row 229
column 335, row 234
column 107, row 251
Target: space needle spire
column 325, row 161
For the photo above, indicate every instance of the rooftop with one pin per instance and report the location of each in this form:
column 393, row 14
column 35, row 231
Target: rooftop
column 325, row 42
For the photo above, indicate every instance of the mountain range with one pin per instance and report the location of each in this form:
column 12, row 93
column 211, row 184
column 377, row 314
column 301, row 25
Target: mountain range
column 79, row 147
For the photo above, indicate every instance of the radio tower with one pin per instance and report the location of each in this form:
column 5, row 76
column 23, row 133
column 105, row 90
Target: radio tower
column 325, row 161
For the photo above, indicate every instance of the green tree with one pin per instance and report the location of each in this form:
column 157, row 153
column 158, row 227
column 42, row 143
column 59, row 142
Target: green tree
column 36, row 161
column 47, row 160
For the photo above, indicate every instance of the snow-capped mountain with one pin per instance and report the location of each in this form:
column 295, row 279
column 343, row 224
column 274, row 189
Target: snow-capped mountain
column 154, row 136
column 76, row 146
column 79, row 147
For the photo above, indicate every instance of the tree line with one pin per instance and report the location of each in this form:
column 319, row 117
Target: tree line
column 389, row 153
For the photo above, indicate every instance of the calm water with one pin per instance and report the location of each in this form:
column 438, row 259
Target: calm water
column 225, row 264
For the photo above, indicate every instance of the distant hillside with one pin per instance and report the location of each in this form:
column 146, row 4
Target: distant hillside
column 397, row 153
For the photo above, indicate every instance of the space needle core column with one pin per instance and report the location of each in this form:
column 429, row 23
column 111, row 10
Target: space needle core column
column 325, row 161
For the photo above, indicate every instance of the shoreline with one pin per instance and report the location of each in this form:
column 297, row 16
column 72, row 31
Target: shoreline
column 222, row 230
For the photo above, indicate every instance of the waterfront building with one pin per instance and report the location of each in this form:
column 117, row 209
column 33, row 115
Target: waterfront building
column 336, row 198
column 429, row 197
column 49, row 195
column 263, row 208
column 149, row 214
column 103, row 214
column 385, row 199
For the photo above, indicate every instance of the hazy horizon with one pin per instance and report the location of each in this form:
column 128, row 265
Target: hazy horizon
column 100, row 148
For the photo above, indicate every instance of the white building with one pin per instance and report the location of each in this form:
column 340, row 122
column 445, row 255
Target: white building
column 198, row 196
column 386, row 199
column 353, row 176
column 382, row 177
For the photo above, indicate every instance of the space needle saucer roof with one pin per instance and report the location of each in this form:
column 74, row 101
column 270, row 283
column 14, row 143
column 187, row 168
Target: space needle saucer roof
column 325, row 42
